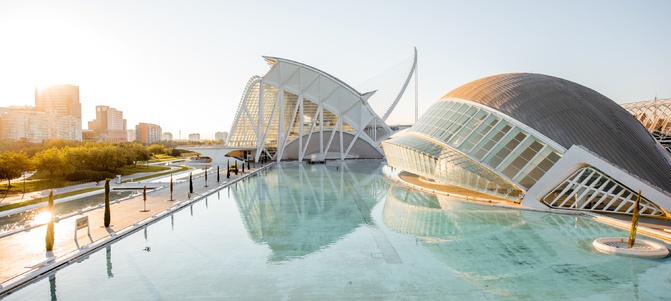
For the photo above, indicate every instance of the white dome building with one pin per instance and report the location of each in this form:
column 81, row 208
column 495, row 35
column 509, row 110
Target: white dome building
column 537, row 140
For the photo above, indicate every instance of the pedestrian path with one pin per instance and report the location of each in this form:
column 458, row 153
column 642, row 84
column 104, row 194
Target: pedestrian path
column 23, row 255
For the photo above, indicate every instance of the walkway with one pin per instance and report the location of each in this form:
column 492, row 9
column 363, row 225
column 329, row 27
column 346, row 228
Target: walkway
column 23, row 255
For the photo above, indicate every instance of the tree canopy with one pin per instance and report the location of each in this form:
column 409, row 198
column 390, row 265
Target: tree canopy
column 12, row 165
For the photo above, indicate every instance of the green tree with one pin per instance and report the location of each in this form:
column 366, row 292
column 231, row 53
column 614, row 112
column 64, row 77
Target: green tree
column 78, row 156
column 60, row 143
column 107, row 218
column 50, row 226
column 12, row 165
column 156, row 149
column 138, row 153
column 123, row 157
column 52, row 160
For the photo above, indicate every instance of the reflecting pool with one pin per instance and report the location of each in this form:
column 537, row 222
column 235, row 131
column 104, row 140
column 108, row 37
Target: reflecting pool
column 343, row 231
column 25, row 218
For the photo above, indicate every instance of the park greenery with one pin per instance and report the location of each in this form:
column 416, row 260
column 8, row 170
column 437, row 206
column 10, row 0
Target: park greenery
column 62, row 160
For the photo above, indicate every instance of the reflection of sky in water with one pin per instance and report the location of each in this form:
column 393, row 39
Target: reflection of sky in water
column 311, row 232
column 516, row 252
column 17, row 220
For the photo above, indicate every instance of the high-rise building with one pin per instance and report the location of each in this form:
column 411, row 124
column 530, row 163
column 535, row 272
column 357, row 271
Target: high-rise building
column 131, row 135
column 194, row 137
column 221, row 136
column 109, row 124
column 167, row 136
column 148, row 133
column 36, row 126
column 60, row 100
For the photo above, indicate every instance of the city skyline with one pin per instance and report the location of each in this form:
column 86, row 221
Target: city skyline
column 185, row 66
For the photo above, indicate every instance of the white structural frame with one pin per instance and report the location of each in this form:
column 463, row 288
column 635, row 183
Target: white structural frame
column 273, row 124
column 577, row 158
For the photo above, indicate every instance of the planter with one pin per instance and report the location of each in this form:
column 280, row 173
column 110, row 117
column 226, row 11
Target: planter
column 619, row 246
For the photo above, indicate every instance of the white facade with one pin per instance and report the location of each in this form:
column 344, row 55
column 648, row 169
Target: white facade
column 37, row 126
column 221, row 136
column 194, row 137
column 131, row 135
column 61, row 100
column 109, row 124
column 296, row 112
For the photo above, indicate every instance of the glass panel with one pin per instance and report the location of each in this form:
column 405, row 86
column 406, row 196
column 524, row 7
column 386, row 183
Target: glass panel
column 491, row 139
column 477, row 135
column 505, row 147
column 468, row 128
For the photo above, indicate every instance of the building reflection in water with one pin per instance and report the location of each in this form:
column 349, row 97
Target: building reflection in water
column 299, row 208
column 513, row 252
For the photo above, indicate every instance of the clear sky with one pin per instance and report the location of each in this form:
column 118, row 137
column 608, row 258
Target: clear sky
column 184, row 64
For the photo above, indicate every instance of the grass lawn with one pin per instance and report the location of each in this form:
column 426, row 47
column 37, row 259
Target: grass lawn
column 40, row 181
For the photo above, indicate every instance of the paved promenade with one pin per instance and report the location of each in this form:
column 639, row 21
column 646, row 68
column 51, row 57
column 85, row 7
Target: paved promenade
column 23, row 255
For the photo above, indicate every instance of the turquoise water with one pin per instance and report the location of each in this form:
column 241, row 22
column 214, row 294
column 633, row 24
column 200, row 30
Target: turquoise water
column 341, row 231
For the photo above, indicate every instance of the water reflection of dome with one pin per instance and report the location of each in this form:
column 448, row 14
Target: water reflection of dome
column 296, row 212
column 425, row 215
column 511, row 252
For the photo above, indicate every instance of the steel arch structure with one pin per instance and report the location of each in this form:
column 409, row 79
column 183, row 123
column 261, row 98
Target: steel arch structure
column 654, row 114
column 296, row 111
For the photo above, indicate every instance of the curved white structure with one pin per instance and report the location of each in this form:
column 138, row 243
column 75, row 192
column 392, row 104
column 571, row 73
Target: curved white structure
column 541, row 141
column 298, row 112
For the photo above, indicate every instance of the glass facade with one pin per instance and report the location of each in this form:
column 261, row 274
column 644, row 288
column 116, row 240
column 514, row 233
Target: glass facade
column 462, row 144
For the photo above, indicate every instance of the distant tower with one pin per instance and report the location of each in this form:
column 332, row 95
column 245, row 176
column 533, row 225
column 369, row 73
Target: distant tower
column 60, row 100
column 109, row 124
column 148, row 133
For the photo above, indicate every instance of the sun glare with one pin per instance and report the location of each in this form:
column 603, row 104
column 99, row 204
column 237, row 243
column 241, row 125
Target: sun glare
column 42, row 218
